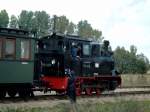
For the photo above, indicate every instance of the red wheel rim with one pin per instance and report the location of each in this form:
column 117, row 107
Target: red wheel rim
column 88, row 91
column 98, row 92
column 78, row 91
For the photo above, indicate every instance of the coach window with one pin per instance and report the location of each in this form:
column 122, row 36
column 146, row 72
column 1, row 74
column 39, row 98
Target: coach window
column 25, row 49
column 0, row 48
column 10, row 48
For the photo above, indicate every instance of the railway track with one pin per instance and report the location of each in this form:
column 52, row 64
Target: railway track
column 143, row 86
column 64, row 97
column 126, row 93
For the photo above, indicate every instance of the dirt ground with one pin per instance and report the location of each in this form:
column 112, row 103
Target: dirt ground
column 54, row 102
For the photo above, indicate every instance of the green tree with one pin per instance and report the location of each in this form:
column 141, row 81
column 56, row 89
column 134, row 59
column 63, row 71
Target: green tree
column 34, row 21
column 13, row 22
column 130, row 61
column 25, row 20
column 96, row 34
column 62, row 24
column 84, row 29
column 41, row 23
column 71, row 28
column 4, row 18
column 120, row 56
column 133, row 50
column 143, row 63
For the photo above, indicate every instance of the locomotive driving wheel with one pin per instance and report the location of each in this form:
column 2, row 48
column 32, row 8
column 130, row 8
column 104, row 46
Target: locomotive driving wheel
column 24, row 92
column 12, row 92
column 98, row 91
column 2, row 94
column 88, row 91
column 78, row 91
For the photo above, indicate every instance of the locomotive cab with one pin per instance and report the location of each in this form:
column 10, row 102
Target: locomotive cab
column 103, row 63
column 98, row 70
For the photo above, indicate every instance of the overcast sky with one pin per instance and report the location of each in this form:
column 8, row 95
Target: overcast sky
column 123, row 22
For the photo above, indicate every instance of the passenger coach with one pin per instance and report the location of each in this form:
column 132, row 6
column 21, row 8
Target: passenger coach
column 16, row 62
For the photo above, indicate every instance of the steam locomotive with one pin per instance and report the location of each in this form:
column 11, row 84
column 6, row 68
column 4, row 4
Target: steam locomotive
column 29, row 64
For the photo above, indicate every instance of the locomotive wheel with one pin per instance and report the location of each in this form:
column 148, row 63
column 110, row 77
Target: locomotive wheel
column 2, row 94
column 78, row 91
column 98, row 91
column 113, row 85
column 24, row 93
column 21, row 93
column 88, row 91
column 12, row 92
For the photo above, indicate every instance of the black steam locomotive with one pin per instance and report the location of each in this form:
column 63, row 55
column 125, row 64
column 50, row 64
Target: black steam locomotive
column 60, row 56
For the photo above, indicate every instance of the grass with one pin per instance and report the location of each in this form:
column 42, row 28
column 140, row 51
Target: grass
column 120, row 106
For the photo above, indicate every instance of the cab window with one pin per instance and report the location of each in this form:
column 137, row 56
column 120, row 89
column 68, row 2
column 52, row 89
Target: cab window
column 10, row 48
column 95, row 50
column 25, row 49
column 86, row 50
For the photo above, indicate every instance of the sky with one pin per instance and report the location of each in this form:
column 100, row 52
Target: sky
column 122, row 22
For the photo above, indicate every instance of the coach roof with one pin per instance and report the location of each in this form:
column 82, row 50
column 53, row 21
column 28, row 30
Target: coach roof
column 16, row 33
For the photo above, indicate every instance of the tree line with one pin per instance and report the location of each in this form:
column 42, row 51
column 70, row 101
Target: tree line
column 42, row 23
column 129, row 62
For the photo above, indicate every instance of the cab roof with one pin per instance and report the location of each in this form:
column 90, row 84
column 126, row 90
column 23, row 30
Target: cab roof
column 66, row 36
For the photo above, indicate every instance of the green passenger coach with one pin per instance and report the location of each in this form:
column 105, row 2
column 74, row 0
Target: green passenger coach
column 17, row 49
